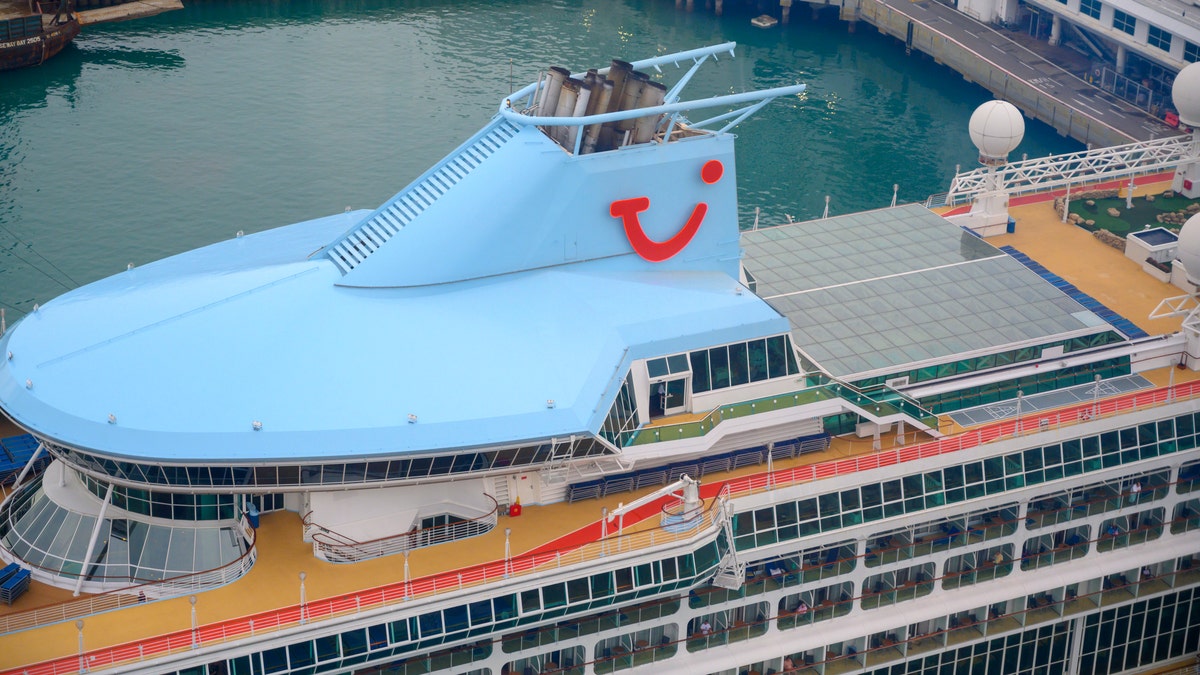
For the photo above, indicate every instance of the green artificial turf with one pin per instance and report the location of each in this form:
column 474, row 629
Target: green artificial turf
column 1142, row 214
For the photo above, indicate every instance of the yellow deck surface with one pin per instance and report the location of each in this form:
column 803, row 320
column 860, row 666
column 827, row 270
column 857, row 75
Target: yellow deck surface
column 1105, row 274
column 274, row 580
column 1102, row 272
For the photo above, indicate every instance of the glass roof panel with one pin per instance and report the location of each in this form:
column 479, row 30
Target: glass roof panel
column 888, row 288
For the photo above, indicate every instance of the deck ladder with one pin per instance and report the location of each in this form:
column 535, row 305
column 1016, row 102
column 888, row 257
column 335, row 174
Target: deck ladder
column 395, row 214
column 731, row 574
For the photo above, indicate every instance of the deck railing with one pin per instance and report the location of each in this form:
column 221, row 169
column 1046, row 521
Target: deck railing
column 881, row 406
column 333, row 547
column 353, row 603
column 177, row 585
column 132, row 595
column 541, row 560
column 1035, row 423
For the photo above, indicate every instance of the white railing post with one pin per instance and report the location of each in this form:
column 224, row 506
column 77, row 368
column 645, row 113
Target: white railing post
column 82, row 658
column 507, row 552
column 303, row 619
column 407, row 579
column 195, row 636
column 1017, row 431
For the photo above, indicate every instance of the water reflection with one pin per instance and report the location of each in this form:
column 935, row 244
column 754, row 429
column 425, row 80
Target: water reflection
column 99, row 54
column 31, row 87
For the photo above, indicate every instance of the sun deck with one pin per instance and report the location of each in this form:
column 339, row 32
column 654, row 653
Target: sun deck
column 274, row 582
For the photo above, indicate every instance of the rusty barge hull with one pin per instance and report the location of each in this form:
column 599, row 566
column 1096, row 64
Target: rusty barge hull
column 33, row 50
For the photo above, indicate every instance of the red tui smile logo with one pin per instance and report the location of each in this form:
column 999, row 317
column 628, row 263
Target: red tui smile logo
column 657, row 251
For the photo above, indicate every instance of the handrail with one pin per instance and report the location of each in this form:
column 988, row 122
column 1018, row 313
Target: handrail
column 349, row 550
column 201, row 580
column 352, row 603
column 707, row 423
column 814, row 394
column 1100, row 164
column 1030, row 424
column 542, row 558
column 131, row 595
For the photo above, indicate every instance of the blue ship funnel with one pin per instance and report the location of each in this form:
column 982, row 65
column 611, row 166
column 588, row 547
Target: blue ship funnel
column 528, row 192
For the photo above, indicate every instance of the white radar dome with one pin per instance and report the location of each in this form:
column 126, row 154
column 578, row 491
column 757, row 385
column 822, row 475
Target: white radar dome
column 1189, row 248
column 996, row 127
column 1185, row 93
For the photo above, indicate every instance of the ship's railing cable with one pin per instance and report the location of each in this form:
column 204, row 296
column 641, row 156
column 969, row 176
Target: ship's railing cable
column 11, row 250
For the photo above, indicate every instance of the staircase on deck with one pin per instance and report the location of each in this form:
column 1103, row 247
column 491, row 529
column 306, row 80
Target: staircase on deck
column 366, row 238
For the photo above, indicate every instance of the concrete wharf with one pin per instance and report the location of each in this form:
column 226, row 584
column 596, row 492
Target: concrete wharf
column 1028, row 74
column 1040, row 88
column 137, row 9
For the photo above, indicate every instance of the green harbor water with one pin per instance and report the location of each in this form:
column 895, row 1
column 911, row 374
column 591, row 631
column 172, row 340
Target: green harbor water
column 149, row 137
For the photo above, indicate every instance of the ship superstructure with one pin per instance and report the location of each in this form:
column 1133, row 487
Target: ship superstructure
column 790, row 440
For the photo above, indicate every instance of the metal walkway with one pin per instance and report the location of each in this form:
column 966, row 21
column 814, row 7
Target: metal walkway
column 1034, row 404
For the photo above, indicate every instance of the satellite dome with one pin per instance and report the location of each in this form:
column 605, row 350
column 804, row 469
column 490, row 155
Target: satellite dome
column 1186, row 94
column 1189, row 248
column 996, row 129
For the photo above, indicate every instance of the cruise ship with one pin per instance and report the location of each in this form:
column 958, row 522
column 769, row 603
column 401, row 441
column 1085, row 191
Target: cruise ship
column 550, row 409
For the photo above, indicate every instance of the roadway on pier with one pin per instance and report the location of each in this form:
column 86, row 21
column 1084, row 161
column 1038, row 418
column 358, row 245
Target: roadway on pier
column 1020, row 62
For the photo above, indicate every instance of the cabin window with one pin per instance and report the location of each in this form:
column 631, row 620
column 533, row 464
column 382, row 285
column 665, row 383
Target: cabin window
column 301, row 654
column 739, row 370
column 354, row 642
column 669, row 572
column 531, row 602
column 602, row 584
column 718, row 359
column 480, row 612
column 327, row 648
column 430, row 624
column 275, row 660
column 377, row 637
column 554, row 595
column 577, row 591
column 455, row 618
column 399, row 631
column 700, row 382
column 758, row 360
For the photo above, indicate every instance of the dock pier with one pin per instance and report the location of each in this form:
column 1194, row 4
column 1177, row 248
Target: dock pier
column 1013, row 72
column 134, row 9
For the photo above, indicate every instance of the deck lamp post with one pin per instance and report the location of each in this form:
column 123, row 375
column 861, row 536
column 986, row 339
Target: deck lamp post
column 603, row 530
column 82, row 660
column 1017, row 432
column 771, row 465
column 507, row 552
column 192, row 599
column 302, row 617
column 1096, row 397
column 407, row 586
